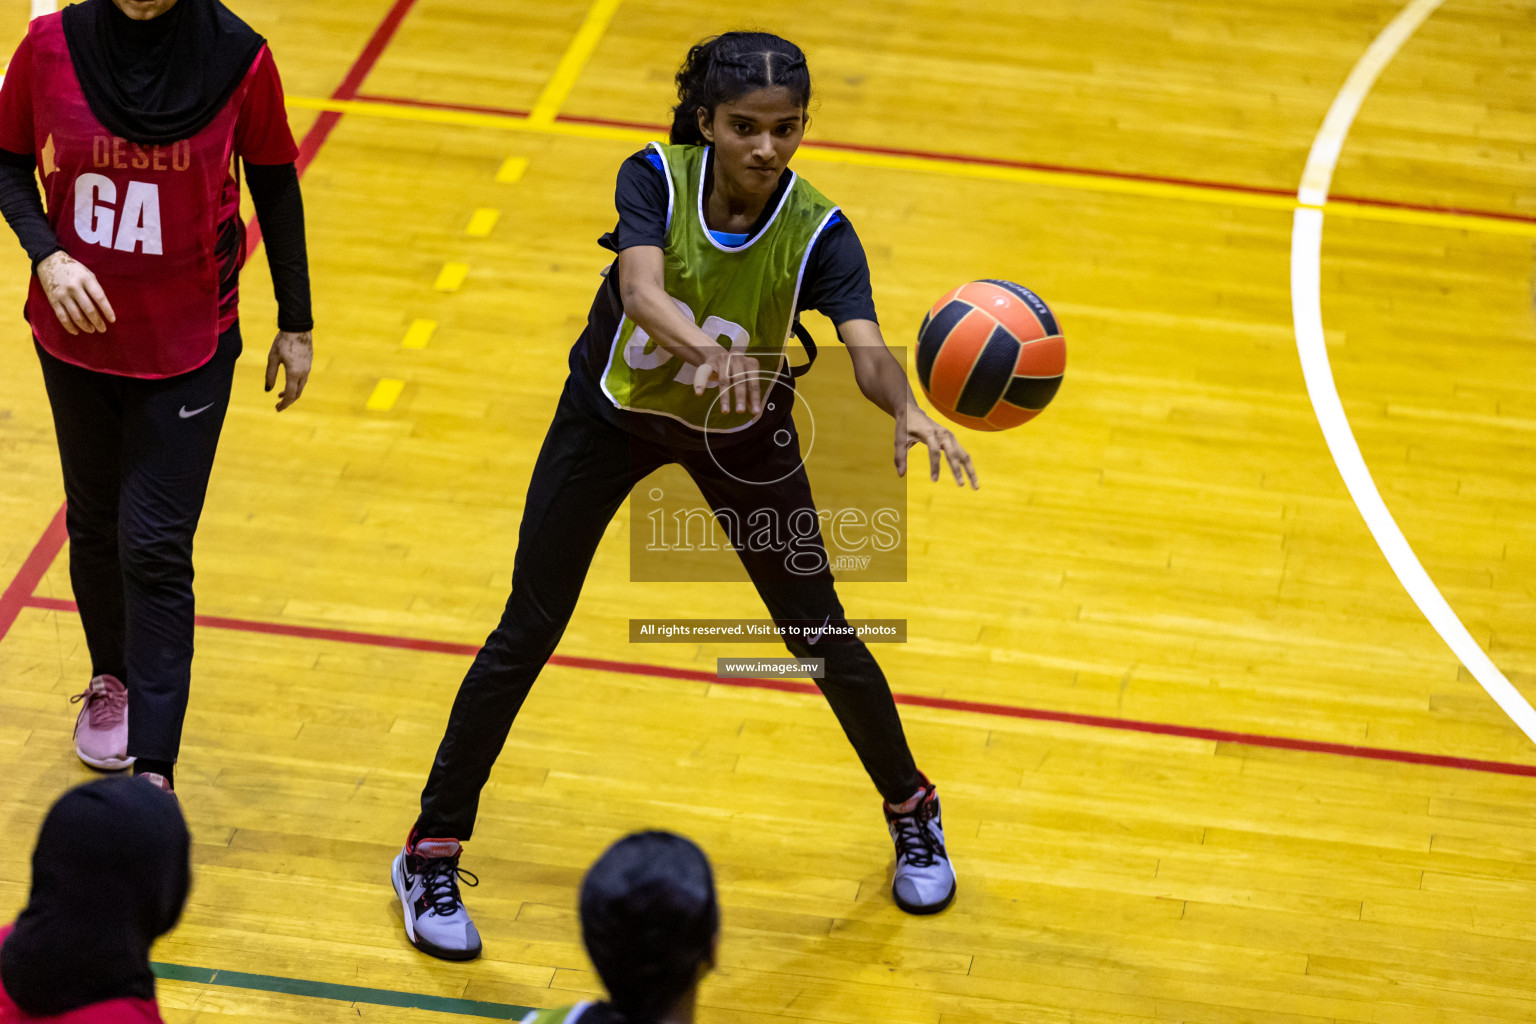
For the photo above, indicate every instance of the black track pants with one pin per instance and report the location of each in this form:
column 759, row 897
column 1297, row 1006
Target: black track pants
column 584, row 471
column 136, row 456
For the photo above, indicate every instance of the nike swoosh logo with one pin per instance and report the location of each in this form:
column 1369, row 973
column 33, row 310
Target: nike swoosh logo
column 188, row 415
column 820, row 631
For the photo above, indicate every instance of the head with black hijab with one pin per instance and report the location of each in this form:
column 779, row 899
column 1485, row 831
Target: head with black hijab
column 110, row 874
column 156, row 71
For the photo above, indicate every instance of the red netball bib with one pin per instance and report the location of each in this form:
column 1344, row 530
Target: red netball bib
column 145, row 219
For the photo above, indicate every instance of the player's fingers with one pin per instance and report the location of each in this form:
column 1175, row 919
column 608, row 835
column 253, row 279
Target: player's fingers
column 952, row 453
column 88, row 308
column 970, row 467
column 93, row 290
column 63, row 315
column 290, row 387
column 959, row 460
column 745, row 384
column 273, row 361
column 729, row 392
column 934, row 457
column 701, row 375
column 754, row 392
column 76, row 315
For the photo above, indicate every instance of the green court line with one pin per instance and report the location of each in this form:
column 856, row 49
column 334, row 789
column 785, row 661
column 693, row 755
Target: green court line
column 344, row 993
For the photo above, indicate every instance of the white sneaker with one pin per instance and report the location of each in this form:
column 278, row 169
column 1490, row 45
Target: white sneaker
column 426, row 875
column 924, row 882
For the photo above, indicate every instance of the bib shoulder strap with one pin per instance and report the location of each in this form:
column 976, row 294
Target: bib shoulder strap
column 799, row 331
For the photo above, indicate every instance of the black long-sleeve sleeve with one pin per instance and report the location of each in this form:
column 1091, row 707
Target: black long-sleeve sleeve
column 280, row 211
column 22, row 205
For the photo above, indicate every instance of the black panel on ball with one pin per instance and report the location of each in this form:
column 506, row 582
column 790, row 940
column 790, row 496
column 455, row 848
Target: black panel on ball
column 1033, row 301
column 989, row 374
column 1032, row 392
column 930, row 337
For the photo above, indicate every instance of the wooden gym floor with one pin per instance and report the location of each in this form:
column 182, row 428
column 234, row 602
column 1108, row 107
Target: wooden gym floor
column 1168, row 553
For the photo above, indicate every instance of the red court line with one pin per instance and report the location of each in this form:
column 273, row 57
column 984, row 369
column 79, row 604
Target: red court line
column 353, row 80
column 320, row 130
column 913, row 700
column 32, row 571
column 986, row 161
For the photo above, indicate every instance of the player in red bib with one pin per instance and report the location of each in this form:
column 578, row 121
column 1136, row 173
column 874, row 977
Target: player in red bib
column 134, row 114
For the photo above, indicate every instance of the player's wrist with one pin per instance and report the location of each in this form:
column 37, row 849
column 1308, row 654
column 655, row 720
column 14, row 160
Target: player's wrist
column 48, row 259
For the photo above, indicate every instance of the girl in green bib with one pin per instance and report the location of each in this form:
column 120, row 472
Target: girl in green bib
column 720, row 247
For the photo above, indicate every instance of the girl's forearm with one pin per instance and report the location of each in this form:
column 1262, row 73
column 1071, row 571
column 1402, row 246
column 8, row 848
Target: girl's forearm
column 658, row 316
column 23, row 207
column 887, row 386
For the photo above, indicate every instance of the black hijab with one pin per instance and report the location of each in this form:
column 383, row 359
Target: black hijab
column 109, row 875
column 160, row 80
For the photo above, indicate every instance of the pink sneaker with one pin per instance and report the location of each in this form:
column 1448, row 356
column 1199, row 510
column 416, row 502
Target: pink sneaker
column 101, row 730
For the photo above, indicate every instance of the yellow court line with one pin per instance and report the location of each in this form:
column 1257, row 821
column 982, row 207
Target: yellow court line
column 468, row 119
column 576, row 56
column 418, row 334
column 511, row 170
column 385, row 392
column 482, row 222
column 953, row 168
column 451, row 277
column 1426, row 218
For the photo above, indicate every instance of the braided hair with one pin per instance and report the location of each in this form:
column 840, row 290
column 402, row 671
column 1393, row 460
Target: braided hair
column 649, row 918
column 726, row 67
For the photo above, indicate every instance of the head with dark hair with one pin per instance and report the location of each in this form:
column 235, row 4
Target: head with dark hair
column 649, row 919
column 745, row 94
column 724, row 68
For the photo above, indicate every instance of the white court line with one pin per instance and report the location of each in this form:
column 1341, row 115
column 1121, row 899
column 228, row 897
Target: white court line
column 1307, row 312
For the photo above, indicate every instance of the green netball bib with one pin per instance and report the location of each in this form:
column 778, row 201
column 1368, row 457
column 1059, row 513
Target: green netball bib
column 742, row 296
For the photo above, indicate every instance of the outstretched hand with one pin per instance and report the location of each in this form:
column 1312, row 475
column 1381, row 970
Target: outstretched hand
column 737, row 375
column 75, row 294
column 293, row 351
column 914, row 426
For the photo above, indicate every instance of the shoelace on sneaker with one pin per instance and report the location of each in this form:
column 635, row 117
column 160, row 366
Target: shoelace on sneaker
column 915, row 844
column 104, row 707
column 440, row 884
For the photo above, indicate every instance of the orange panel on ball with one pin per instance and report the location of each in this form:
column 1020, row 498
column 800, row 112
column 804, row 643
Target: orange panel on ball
column 1004, row 307
column 969, row 421
column 1004, row 416
column 947, row 298
column 1044, row 358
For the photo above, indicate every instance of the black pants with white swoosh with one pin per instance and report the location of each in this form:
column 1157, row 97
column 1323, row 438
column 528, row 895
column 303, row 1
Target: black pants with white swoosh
column 584, row 471
column 136, row 456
